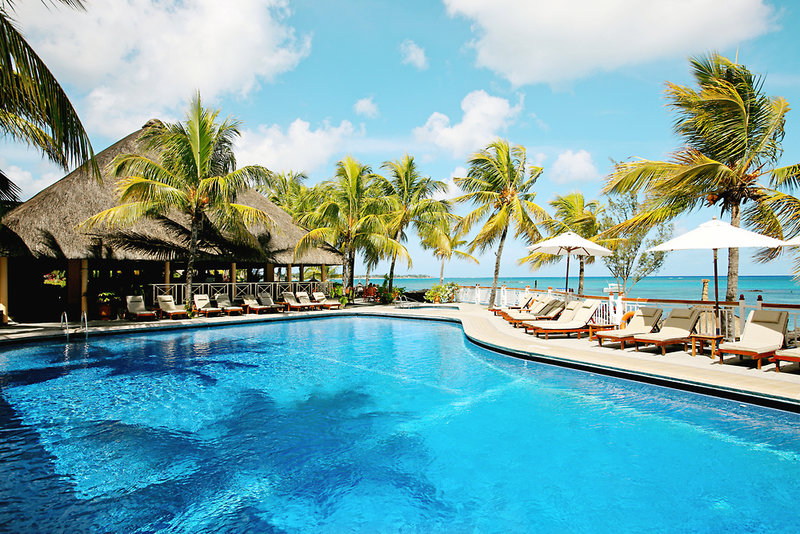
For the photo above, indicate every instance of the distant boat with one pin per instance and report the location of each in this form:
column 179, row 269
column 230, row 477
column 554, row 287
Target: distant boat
column 612, row 288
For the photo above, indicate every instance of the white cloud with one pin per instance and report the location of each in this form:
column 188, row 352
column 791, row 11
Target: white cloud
column 133, row 60
column 452, row 190
column 299, row 148
column 572, row 167
column 30, row 183
column 484, row 116
column 413, row 54
column 551, row 42
column 367, row 107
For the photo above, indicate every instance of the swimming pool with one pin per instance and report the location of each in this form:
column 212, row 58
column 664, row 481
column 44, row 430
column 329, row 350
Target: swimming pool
column 370, row 424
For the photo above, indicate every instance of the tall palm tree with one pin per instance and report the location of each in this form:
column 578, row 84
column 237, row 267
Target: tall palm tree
column 193, row 172
column 34, row 109
column 500, row 182
column 732, row 133
column 572, row 214
column 351, row 217
column 286, row 190
column 411, row 202
column 445, row 242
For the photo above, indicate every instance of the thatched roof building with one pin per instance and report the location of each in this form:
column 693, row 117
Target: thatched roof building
column 46, row 226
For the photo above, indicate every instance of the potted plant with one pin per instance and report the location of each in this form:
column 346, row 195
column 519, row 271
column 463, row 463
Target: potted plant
column 435, row 293
column 104, row 302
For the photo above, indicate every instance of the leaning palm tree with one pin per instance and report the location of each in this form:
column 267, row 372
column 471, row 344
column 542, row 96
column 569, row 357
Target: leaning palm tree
column 34, row 109
column 352, row 217
column 445, row 242
column 187, row 168
column 500, row 182
column 411, row 202
column 572, row 214
column 733, row 135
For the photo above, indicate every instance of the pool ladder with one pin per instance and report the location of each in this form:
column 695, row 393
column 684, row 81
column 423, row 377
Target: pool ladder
column 84, row 325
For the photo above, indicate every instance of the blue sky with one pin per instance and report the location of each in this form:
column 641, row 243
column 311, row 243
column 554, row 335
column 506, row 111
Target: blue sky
column 578, row 83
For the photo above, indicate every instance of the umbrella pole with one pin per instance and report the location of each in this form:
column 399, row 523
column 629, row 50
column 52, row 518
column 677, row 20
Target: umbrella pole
column 716, row 294
column 566, row 287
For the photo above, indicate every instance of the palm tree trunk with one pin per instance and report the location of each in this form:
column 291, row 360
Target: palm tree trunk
column 580, row 274
column 733, row 257
column 497, row 266
column 352, row 261
column 195, row 230
column 441, row 274
column 346, row 268
column 391, row 268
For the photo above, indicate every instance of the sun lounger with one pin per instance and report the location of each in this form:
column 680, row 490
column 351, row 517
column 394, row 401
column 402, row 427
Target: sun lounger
column 302, row 298
column 567, row 314
column 202, row 305
column 676, row 329
column 224, row 302
column 167, row 307
column 540, row 311
column 763, row 334
column 136, row 308
column 785, row 355
column 325, row 302
column 577, row 325
column 525, row 306
column 252, row 305
column 293, row 304
column 642, row 322
column 265, row 299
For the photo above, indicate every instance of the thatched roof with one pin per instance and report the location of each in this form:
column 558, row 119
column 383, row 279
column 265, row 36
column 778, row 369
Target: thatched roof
column 46, row 226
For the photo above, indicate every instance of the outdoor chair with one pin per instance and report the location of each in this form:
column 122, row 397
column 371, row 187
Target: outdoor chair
column 293, row 304
column 136, row 308
column 763, row 334
column 320, row 298
column 577, row 325
column 642, row 322
column 167, row 307
column 202, row 305
column 677, row 328
column 302, row 298
column 526, row 306
column 541, row 311
column 566, row 316
column 224, row 302
column 785, row 355
column 252, row 305
column 265, row 299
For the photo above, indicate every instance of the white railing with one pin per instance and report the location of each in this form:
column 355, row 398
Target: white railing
column 732, row 315
column 237, row 290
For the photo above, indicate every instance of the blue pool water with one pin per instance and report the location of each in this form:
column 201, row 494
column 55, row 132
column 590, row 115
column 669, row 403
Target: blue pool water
column 370, row 425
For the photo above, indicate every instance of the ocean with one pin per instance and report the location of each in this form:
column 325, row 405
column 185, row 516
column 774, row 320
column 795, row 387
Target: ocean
column 775, row 289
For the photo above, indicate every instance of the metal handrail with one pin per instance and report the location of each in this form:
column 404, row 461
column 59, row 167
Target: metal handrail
column 64, row 324
column 85, row 323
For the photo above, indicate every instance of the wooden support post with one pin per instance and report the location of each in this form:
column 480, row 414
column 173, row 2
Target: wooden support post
column 289, row 273
column 4, row 290
column 302, row 276
column 84, row 286
column 323, row 274
column 269, row 272
column 167, row 273
column 233, row 280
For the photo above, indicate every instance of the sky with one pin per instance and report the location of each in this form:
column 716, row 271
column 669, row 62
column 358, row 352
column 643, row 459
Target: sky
column 578, row 83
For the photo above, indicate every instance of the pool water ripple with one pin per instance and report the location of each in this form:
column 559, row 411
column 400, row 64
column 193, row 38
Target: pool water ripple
column 369, row 424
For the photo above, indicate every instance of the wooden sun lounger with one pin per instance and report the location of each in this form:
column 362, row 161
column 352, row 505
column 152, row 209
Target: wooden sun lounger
column 167, row 307
column 677, row 328
column 325, row 302
column 578, row 324
column 785, row 355
column 202, row 305
column 292, row 303
column 763, row 334
column 642, row 322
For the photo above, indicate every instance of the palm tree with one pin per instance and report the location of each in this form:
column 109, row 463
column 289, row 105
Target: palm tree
column 445, row 243
column 34, row 109
column 351, row 217
column 572, row 213
column 194, row 173
column 500, row 182
column 287, row 191
column 733, row 135
column 411, row 202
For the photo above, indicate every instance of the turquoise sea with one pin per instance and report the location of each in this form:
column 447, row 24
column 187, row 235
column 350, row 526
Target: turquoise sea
column 782, row 289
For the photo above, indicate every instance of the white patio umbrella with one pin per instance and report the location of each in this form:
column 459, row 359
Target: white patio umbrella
column 714, row 235
column 569, row 244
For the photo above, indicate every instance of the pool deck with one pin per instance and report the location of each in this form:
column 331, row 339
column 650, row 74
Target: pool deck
column 735, row 379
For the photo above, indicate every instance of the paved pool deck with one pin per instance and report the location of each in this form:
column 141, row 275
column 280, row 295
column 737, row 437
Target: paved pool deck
column 736, row 379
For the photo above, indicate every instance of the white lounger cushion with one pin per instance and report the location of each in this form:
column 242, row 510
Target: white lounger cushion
column 678, row 325
column 566, row 316
column 581, row 318
column 763, row 332
column 642, row 322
